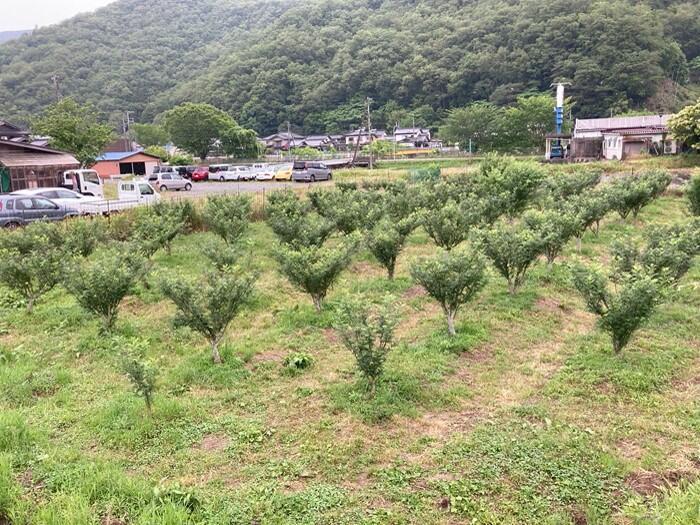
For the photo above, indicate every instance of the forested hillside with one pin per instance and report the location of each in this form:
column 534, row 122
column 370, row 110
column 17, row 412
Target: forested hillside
column 313, row 61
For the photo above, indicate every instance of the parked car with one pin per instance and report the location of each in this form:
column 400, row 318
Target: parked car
column 233, row 173
column 310, row 172
column 169, row 181
column 61, row 196
column 18, row 210
column 283, row 172
column 215, row 168
column 184, row 171
column 200, row 173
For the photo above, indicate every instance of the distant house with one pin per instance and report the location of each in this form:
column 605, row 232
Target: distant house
column 361, row 135
column 626, row 137
column 319, row 142
column 11, row 132
column 413, row 137
column 283, row 141
column 116, row 163
column 24, row 165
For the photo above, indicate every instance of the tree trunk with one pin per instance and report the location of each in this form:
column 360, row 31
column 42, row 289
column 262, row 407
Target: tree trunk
column 512, row 286
column 215, row 355
column 391, row 272
column 30, row 304
column 317, row 302
column 451, row 323
column 578, row 243
column 617, row 345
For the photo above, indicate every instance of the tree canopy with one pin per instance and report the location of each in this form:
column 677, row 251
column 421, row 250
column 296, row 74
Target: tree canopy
column 74, row 128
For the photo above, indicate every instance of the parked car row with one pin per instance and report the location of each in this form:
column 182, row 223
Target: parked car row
column 223, row 173
column 53, row 204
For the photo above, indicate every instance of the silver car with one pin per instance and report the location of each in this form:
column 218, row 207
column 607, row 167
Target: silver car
column 169, row 182
column 304, row 171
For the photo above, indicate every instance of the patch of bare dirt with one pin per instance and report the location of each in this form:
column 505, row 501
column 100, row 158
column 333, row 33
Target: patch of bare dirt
column 413, row 292
column 215, row 443
column 549, row 304
column 268, row 356
column 649, row 483
column 331, row 335
column 109, row 520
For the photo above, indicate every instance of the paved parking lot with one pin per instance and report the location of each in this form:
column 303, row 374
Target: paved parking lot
column 201, row 189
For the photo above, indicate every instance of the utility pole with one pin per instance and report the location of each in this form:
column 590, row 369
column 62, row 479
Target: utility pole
column 289, row 141
column 369, row 130
column 57, row 86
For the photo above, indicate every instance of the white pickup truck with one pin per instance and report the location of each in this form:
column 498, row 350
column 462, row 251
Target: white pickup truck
column 131, row 195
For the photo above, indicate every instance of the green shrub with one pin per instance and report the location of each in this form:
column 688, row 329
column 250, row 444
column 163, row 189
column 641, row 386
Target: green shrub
column 667, row 255
column 101, row 281
column 588, row 208
column 228, row 216
column 314, row 269
column 82, row 236
column 220, row 254
column 294, row 222
column 631, row 193
column 511, row 185
column 141, row 373
column 561, row 186
column 452, row 279
column 554, row 228
column 209, row 306
column 386, row 241
column 348, row 211
column 513, row 249
column 32, row 263
column 429, row 174
column 449, row 224
column 693, row 194
column 156, row 227
column 621, row 312
column 369, row 334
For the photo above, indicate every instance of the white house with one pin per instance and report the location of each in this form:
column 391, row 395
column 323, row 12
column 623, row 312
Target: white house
column 628, row 137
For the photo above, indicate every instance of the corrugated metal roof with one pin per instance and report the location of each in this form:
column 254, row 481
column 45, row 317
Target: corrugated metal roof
column 33, row 158
column 17, row 154
column 118, row 155
column 600, row 124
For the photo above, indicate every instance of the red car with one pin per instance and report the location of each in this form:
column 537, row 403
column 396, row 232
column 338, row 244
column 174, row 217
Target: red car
column 200, row 174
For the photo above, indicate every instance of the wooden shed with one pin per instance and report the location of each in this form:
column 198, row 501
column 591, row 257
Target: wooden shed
column 25, row 166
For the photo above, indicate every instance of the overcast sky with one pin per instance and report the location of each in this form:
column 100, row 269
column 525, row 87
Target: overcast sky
column 27, row 14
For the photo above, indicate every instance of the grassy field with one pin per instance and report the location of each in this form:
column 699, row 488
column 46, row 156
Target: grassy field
column 525, row 417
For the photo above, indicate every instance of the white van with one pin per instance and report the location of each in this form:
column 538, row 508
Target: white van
column 86, row 182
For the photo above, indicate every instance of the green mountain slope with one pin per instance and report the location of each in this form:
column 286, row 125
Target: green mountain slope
column 313, row 61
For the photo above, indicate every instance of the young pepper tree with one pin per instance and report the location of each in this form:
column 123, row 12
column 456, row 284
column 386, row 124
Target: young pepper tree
column 513, row 248
column 622, row 312
column 368, row 332
column 452, row 279
column 100, row 282
column 314, row 269
column 209, row 306
column 227, row 216
column 554, row 227
column 387, row 240
column 32, row 262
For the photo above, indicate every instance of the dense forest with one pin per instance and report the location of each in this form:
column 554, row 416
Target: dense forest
column 313, row 62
